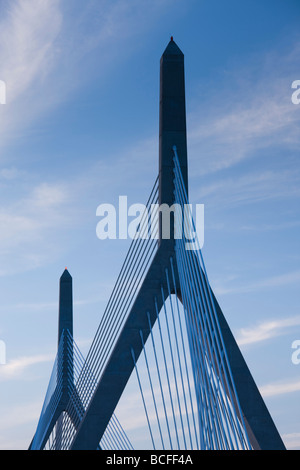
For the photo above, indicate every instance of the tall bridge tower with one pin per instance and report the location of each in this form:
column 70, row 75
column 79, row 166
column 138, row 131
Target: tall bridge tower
column 229, row 412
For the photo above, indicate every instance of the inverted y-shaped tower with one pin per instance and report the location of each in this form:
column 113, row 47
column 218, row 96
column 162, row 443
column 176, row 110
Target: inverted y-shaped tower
column 61, row 396
column 228, row 399
column 251, row 408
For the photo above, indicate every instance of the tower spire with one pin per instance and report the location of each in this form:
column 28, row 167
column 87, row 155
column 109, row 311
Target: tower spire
column 172, row 129
column 65, row 319
column 65, row 335
column 172, row 120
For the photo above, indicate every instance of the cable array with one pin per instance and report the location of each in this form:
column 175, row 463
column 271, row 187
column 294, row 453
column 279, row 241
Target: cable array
column 220, row 419
column 135, row 266
column 183, row 374
column 51, row 401
column 165, row 377
column 59, row 417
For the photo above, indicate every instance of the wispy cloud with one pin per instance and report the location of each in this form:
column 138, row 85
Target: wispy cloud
column 15, row 368
column 242, row 131
column 43, row 61
column 27, row 224
column 20, row 415
column 292, row 440
column 266, row 330
column 253, row 113
column 255, row 186
column 26, row 43
column 27, row 55
column 271, row 227
column 270, row 282
column 283, row 388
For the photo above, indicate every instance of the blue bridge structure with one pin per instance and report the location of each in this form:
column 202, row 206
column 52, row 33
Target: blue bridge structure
column 162, row 328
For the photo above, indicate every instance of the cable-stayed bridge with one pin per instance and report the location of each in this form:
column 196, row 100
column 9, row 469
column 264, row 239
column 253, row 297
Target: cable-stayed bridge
column 162, row 330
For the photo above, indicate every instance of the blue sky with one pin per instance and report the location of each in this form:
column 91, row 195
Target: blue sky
column 80, row 128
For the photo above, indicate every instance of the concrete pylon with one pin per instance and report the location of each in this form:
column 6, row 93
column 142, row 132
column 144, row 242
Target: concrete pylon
column 172, row 132
column 172, row 121
column 65, row 394
column 65, row 313
column 65, row 334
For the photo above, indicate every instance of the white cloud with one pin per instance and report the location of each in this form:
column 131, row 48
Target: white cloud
column 27, row 55
column 252, row 187
column 292, row 440
column 255, row 126
column 47, row 51
column 275, row 389
column 8, row 174
column 43, row 62
column 33, row 211
column 271, row 227
column 266, row 330
column 20, row 415
column 28, row 223
column 271, row 282
column 46, row 195
column 16, row 367
column 26, row 40
column 18, row 423
column 247, row 115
